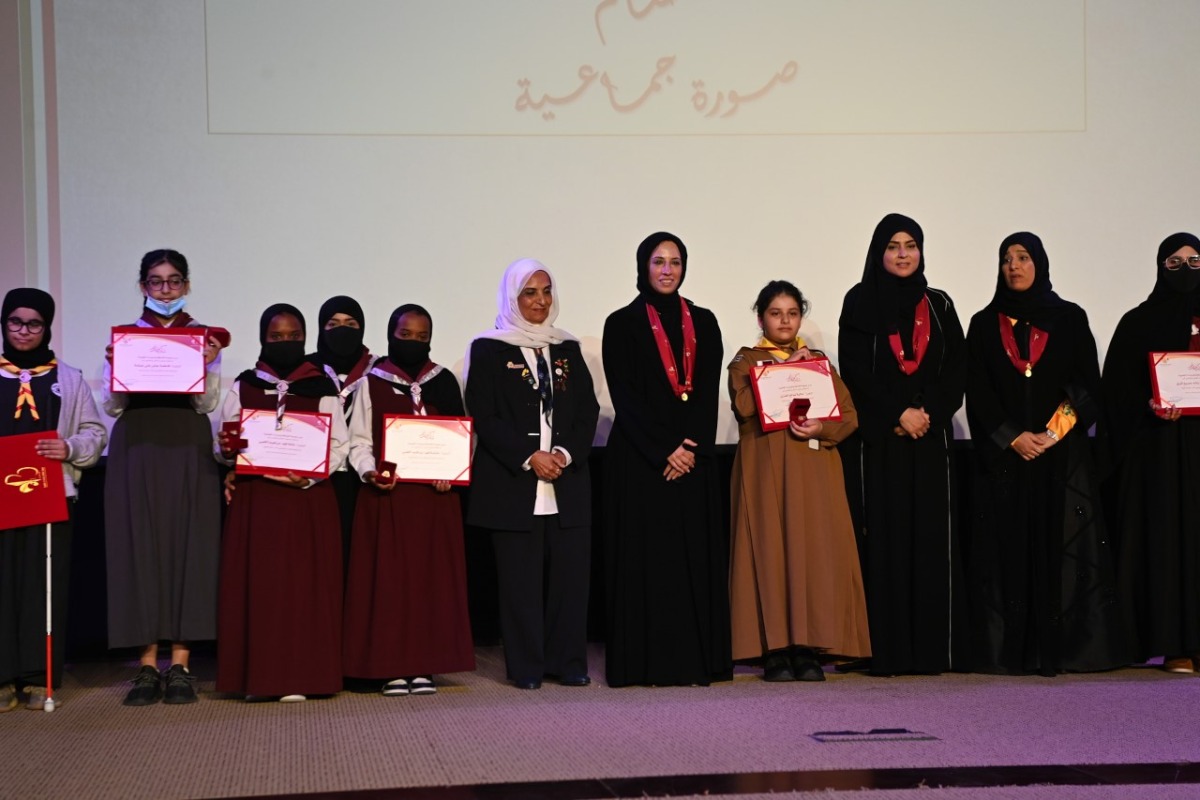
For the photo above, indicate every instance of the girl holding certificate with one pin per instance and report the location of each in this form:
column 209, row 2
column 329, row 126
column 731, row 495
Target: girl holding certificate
column 1041, row 564
column 1156, row 505
column 406, row 598
column 903, row 356
column 39, row 394
column 279, row 632
column 162, row 513
column 795, row 585
column 530, row 394
column 667, row 547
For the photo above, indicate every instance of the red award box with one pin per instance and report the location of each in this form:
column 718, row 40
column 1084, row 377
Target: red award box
column 33, row 489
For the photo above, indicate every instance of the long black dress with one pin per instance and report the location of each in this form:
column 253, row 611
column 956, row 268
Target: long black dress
column 1041, row 565
column 1155, row 490
column 903, row 492
column 667, row 545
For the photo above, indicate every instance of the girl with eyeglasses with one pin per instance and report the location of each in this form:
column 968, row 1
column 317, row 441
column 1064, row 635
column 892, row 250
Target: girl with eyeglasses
column 162, row 511
column 1155, row 450
column 39, row 393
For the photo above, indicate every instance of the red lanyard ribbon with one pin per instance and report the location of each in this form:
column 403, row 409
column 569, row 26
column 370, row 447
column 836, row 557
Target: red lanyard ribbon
column 920, row 339
column 668, row 358
column 1037, row 345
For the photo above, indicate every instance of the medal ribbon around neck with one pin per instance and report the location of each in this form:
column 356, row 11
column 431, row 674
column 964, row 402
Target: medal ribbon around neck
column 920, row 339
column 25, row 393
column 1037, row 345
column 668, row 358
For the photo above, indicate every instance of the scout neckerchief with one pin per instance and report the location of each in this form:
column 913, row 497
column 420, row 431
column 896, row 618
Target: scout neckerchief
column 668, row 358
column 281, row 386
column 357, row 371
column 920, row 339
column 388, row 371
column 25, row 393
column 778, row 352
column 1037, row 345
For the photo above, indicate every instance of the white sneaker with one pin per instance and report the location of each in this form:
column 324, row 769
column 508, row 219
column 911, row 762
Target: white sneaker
column 422, row 684
column 395, row 688
column 293, row 698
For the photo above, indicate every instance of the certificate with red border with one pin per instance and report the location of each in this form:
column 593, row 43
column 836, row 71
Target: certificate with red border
column 299, row 444
column 32, row 492
column 426, row 449
column 159, row 360
column 1175, row 378
column 777, row 384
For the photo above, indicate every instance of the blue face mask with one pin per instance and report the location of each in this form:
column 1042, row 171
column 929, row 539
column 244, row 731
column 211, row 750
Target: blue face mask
column 166, row 309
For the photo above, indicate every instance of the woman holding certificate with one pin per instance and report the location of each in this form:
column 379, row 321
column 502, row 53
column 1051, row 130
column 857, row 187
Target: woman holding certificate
column 795, row 584
column 279, row 631
column 1041, row 564
column 162, row 511
column 39, row 395
column 904, row 358
column 1155, row 448
column 406, row 598
column 667, row 548
column 531, row 397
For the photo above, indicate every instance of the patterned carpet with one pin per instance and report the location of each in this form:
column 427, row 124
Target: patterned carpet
column 479, row 730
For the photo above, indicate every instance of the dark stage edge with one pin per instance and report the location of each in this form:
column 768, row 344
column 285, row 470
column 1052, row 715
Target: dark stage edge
column 765, row 782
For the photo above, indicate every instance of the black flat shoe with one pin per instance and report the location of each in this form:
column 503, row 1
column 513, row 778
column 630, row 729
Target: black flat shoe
column 806, row 668
column 528, row 683
column 147, row 688
column 777, row 668
column 575, row 680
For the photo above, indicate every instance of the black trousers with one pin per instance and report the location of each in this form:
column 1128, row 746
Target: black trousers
column 543, row 579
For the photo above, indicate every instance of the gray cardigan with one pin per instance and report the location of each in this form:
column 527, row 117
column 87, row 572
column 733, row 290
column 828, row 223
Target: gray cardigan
column 78, row 423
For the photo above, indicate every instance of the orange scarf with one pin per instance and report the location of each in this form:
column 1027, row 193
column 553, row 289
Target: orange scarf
column 25, row 393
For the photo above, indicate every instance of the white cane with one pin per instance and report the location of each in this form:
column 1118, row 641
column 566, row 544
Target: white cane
column 49, row 625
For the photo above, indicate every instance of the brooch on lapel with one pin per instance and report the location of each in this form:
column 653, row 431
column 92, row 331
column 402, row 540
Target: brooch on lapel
column 562, row 370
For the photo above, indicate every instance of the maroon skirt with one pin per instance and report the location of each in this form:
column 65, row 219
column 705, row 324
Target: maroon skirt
column 406, row 592
column 279, row 619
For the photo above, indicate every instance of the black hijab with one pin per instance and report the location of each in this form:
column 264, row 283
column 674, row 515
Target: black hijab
column 887, row 303
column 286, row 359
column 409, row 355
column 1037, row 304
column 40, row 302
column 1166, row 315
column 645, row 250
column 341, row 347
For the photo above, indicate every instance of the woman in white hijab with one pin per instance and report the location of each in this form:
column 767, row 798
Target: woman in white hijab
column 530, row 394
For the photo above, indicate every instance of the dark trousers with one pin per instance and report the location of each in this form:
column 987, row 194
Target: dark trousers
column 23, row 602
column 543, row 579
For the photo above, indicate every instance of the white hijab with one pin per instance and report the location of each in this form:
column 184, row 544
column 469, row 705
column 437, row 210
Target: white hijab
column 513, row 328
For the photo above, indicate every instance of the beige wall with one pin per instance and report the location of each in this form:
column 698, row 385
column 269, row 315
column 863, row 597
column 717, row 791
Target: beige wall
column 12, row 163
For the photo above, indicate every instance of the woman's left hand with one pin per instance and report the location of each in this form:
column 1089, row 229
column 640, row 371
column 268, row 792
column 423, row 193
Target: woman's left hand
column 441, row 487
column 291, row 479
column 53, row 449
column 806, row 429
column 803, row 354
column 211, row 350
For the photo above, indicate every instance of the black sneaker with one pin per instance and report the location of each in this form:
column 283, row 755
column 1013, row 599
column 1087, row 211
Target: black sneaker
column 181, row 686
column 147, row 688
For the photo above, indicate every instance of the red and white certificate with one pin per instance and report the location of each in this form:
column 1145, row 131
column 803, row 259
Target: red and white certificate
column 426, row 449
column 160, row 360
column 776, row 385
column 1175, row 378
column 32, row 492
column 298, row 443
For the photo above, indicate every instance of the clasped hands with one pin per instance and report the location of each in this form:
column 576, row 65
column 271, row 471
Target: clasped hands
column 914, row 423
column 681, row 461
column 1031, row 445
column 548, row 466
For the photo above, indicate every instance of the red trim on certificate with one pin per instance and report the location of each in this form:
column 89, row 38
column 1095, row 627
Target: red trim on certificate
column 316, row 419
column 1155, row 360
column 770, row 423
column 199, row 335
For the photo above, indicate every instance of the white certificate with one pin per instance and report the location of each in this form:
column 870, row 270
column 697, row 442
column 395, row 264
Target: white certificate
column 428, row 449
column 1176, row 381
column 298, row 443
column 160, row 360
column 777, row 385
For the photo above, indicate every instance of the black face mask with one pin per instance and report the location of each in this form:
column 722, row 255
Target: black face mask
column 408, row 354
column 283, row 357
column 343, row 341
column 1183, row 280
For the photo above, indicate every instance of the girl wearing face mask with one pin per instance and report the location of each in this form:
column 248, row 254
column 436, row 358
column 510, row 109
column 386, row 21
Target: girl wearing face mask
column 279, row 630
column 44, row 395
column 162, row 510
column 406, row 598
column 343, row 358
column 1041, row 563
column 1156, row 505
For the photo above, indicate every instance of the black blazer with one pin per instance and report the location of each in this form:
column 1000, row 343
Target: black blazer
column 506, row 409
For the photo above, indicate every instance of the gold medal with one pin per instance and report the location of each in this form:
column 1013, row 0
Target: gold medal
column 683, row 397
column 1029, row 370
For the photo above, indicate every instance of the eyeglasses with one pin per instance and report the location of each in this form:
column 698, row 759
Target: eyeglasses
column 157, row 283
column 1175, row 262
column 15, row 324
